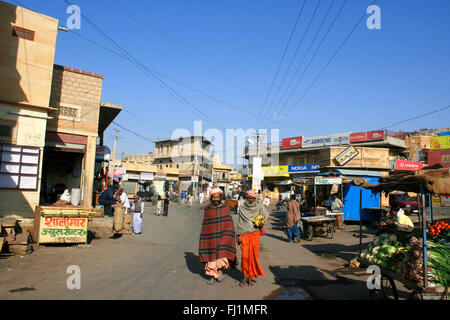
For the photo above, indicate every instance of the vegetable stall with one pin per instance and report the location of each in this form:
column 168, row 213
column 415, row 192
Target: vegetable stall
column 419, row 259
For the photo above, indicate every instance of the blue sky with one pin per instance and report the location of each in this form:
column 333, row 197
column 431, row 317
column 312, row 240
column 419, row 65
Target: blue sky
column 231, row 49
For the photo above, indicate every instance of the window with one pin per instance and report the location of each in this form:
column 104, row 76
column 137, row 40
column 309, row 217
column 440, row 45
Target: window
column 8, row 131
column 69, row 112
column 23, row 33
column 19, row 167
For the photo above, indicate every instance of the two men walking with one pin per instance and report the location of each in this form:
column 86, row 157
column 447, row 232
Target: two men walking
column 217, row 247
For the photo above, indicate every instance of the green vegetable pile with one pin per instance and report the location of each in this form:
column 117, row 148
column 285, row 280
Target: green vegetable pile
column 439, row 263
column 381, row 249
column 407, row 261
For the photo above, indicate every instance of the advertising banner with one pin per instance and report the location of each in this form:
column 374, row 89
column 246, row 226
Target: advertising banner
column 347, row 155
column 304, row 168
column 358, row 137
column 295, row 142
column 439, row 143
column 441, row 157
column 408, row 165
column 275, row 171
column 257, row 173
column 326, row 140
column 63, row 230
column 103, row 153
column 118, row 172
column 326, row 180
column 375, row 135
column 133, row 176
column 367, row 136
column 147, row 176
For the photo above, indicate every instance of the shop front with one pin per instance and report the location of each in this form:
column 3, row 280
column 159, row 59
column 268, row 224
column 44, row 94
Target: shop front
column 64, row 167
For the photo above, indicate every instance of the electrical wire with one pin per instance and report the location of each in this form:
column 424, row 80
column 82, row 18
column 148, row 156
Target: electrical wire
column 296, row 52
column 149, row 72
column 330, row 60
column 280, row 63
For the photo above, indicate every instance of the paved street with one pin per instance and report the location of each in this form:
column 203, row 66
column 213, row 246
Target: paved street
column 162, row 263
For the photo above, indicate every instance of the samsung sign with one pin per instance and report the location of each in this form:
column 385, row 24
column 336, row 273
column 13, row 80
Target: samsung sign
column 304, row 168
column 327, row 140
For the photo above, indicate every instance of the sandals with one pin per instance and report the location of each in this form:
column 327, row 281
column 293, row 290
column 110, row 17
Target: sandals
column 246, row 281
column 211, row 281
column 220, row 278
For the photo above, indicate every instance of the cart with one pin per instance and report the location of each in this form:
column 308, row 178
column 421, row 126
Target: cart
column 388, row 289
column 318, row 225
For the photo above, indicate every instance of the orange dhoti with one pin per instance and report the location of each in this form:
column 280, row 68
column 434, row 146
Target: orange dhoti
column 250, row 251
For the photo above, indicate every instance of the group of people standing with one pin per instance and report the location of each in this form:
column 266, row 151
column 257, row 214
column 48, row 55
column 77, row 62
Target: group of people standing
column 133, row 212
column 218, row 237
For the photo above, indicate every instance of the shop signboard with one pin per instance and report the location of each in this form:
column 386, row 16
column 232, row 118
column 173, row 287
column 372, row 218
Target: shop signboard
column 304, row 168
column 407, row 165
column 103, row 153
column 160, row 176
column 194, row 179
column 63, row 230
column 439, row 143
column 375, row 135
column 147, row 176
column 445, row 200
column 327, row 180
column 118, row 172
column 358, row 137
column 295, row 142
column 367, row 136
column 275, row 171
column 347, row 155
column 133, row 176
column 441, row 157
column 326, row 140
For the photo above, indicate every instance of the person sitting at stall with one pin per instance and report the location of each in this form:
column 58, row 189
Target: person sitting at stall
column 337, row 204
column 328, row 203
column 107, row 199
column 400, row 218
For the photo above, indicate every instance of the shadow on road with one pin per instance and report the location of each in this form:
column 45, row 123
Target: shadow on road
column 194, row 266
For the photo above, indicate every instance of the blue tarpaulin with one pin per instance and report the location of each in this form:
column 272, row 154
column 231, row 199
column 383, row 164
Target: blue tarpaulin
column 369, row 200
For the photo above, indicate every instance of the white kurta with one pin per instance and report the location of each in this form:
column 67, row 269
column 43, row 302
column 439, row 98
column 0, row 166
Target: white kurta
column 137, row 220
column 125, row 202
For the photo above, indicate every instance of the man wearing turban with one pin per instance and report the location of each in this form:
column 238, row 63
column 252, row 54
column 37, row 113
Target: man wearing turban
column 217, row 246
column 248, row 236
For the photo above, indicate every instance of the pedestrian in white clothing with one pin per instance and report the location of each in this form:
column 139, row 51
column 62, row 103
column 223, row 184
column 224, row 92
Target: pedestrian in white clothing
column 138, row 211
column 123, row 200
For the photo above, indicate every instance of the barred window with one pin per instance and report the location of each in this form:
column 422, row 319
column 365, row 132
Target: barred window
column 23, row 33
column 69, row 112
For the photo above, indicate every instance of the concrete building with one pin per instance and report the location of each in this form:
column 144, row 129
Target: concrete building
column 222, row 175
column 190, row 156
column 27, row 50
column 51, row 116
column 146, row 158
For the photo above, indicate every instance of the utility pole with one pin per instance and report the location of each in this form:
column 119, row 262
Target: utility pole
column 113, row 158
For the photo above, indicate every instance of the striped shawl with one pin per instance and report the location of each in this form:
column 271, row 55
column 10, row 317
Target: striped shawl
column 217, row 237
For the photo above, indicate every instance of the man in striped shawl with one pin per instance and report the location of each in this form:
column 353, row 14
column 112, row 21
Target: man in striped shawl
column 217, row 246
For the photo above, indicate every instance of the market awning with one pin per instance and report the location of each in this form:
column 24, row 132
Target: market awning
column 435, row 181
column 358, row 173
column 108, row 112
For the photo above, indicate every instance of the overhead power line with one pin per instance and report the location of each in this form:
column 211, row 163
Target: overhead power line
column 417, row 117
column 149, row 72
column 304, row 56
column 280, row 63
column 295, row 54
column 183, row 84
column 313, row 56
